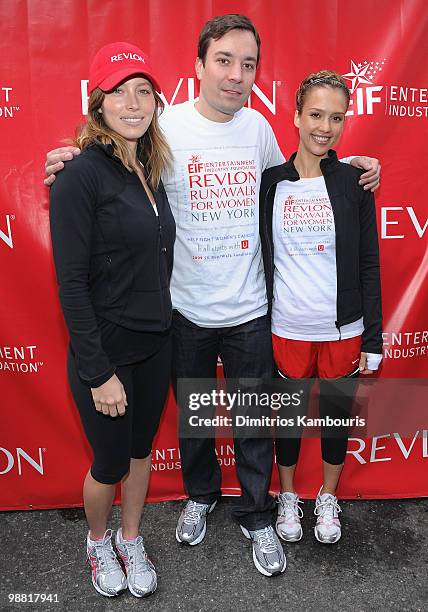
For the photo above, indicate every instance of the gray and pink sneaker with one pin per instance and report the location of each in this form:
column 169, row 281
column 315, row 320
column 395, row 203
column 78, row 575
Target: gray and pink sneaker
column 327, row 529
column 140, row 571
column 288, row 525
column 107, row 574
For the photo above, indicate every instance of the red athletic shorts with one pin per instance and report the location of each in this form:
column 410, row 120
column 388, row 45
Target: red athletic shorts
column 327, row 359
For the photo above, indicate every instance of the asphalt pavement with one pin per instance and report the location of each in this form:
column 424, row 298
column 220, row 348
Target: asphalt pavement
column 380, row 564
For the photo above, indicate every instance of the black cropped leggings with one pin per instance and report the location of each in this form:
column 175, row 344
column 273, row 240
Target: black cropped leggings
column 335, row 401
column 115, row 440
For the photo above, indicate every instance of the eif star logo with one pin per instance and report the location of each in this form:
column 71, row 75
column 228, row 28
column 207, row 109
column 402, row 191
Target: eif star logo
column 363, row 73
column 195, row 159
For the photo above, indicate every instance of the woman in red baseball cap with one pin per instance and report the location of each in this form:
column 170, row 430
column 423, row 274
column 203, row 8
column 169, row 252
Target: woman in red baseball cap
column 112, row 235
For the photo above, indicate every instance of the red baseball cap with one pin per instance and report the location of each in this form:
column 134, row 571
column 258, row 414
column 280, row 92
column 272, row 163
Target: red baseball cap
column 115, row 62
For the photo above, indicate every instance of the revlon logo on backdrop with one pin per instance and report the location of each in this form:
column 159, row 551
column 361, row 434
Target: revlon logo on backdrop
column 378, row 452
column 6, row 235
column 185, row 90
column 20, row 359
column 7, row 109
column 392, row 216
column 19, row 460
column 393, row 100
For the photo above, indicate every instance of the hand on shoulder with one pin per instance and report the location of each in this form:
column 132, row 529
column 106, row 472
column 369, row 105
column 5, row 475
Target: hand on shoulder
column 55, row 162
column 371, row 178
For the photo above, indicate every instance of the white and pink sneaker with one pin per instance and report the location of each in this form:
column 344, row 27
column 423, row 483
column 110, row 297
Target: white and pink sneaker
column 288, row 525
column 327, row 529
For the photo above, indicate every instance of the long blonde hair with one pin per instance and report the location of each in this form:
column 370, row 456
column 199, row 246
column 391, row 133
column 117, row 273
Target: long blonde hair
column 152, row 148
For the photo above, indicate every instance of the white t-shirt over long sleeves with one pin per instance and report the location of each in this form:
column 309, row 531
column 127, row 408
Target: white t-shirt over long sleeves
column 305, row 283
column 218, row 278
column 305, row 277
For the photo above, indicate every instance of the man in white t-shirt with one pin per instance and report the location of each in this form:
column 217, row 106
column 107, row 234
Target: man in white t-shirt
column 218, row 287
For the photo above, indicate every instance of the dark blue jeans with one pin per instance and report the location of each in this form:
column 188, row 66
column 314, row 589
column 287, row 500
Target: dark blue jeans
column 246, row 352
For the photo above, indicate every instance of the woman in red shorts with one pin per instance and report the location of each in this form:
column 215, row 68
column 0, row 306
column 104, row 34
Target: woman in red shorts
column 321, row 258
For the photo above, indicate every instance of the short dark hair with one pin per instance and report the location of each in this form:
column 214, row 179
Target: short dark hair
column 217, row 27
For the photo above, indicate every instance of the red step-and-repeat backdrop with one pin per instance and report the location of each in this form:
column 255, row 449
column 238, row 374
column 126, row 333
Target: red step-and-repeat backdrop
column 45, row 51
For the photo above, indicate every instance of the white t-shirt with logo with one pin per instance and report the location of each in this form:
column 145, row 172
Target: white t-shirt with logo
column 305, row 278
column 218, row 278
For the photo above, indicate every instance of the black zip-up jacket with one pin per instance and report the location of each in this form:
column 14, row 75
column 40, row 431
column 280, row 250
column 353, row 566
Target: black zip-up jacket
column 357, row 251
column 113, row 255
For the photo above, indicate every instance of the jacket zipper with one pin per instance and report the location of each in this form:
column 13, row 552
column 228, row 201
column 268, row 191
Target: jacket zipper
column 269, row 241
column 335, row 256
column 108, row 259
column 161, row 251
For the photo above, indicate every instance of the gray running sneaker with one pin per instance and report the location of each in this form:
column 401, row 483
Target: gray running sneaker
column 268, row 555
column 140, row 571
column 107, row 575
column 192, row 523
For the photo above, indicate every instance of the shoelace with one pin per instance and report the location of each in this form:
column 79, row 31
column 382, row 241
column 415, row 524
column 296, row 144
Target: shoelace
column 138, row 560
column 193, row 511
column 290, row 505
column 105, row 554
column 266, row 539
column 326, row 508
